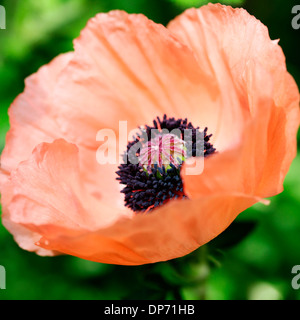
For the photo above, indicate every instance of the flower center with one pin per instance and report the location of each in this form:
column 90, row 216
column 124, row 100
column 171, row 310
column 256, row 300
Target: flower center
column 163, row 150
column 153, row 160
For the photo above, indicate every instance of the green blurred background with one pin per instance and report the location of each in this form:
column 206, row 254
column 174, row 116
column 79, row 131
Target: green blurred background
column 234, row 266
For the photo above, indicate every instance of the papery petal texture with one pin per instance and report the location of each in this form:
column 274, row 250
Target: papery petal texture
column 216, row 66
column 255, row 67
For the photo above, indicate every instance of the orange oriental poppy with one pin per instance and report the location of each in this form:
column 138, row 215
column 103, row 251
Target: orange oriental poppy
column 213, row 71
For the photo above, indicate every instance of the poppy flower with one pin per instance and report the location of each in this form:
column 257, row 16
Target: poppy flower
column 212, row 70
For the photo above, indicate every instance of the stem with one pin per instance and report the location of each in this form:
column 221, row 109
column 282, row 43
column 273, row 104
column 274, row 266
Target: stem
column 194, row 270
column 202, row 268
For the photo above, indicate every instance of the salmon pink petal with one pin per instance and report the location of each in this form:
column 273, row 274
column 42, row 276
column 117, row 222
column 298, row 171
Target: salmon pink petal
column 33, row 121
column 129, row 68
column 235, row 43
column 45, row 196
column 25, row 238
column 256, row 166
column 146, row 239
column 32, row 116
column 225, row 40
column 47, row 189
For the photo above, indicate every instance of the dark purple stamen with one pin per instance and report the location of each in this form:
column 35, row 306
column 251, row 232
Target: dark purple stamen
column 147, row 189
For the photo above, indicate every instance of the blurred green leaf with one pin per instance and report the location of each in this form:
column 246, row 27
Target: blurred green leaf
column 233, row 235
column 199, row 3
